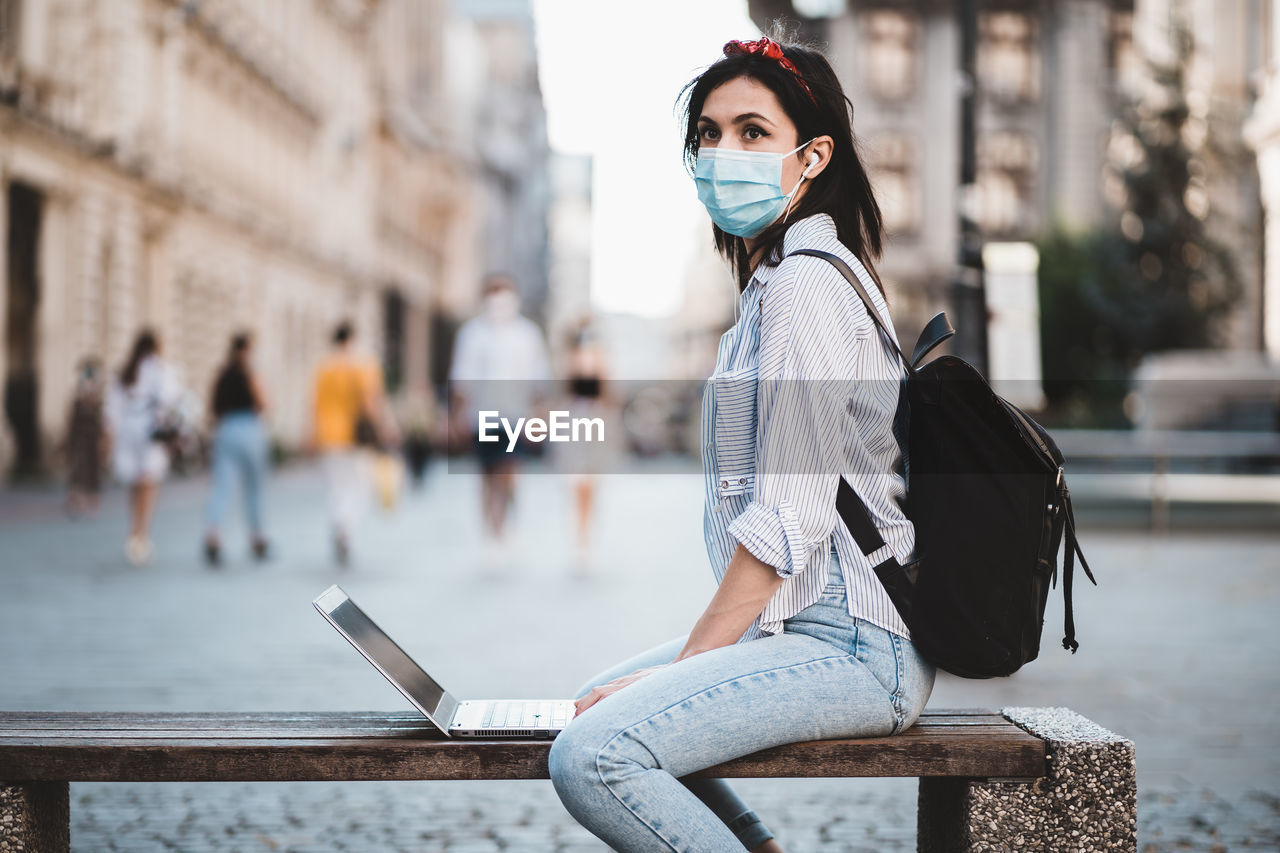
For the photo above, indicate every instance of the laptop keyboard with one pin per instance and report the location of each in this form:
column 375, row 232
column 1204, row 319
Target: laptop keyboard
column 532, row 714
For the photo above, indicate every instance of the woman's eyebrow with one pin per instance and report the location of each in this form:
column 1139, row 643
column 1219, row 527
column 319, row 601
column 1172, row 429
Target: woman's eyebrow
column 742, row 119
column 746, row 117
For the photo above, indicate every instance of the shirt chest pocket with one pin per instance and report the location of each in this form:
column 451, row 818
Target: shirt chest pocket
column 735, row 430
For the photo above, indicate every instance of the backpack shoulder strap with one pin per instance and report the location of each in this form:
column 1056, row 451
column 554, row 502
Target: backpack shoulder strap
column 850, row 507
column 935, row 331
column 857, row 518
column 847, row 271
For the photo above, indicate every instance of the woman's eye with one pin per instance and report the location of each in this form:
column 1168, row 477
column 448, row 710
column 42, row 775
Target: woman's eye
column 710, row 133
column 753, row 132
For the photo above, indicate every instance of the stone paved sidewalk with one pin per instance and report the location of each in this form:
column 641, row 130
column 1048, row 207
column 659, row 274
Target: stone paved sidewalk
column 875, row 816
column 434, row 816
column 1175, row 654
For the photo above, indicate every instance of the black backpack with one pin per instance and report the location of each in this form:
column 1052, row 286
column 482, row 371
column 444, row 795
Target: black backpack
column 988, row 496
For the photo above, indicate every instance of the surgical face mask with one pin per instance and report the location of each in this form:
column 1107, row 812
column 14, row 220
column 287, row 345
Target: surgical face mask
column 742, row 190
column 502, row 305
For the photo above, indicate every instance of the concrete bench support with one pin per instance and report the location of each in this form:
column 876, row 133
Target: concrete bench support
column 1087, row 801
column 35, row 818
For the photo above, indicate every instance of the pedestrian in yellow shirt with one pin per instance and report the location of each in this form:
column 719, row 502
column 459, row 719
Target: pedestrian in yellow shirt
column 350, row 418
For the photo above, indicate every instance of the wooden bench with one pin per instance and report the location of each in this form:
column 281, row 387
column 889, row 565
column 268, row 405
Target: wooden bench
column 986, row 778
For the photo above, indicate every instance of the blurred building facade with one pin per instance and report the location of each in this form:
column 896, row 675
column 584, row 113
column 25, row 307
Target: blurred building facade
column 706, row 310
column 1263, row 134
column 499, row 111
column 569, row 239
column 203, row 167
column 1052, row 76
column 499, row 128
column 1047, row 72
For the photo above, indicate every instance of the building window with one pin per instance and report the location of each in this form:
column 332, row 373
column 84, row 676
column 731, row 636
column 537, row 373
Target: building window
column 890, row 57
column 895, row 178
column 1008, row 57
column 1007, row 165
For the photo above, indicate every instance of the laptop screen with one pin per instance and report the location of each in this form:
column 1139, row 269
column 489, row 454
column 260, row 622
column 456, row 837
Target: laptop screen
column 382, row 651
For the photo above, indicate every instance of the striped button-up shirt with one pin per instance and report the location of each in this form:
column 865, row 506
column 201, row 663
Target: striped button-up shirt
column 805, row 391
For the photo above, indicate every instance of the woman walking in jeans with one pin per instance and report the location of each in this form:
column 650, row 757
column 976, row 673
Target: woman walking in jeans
column 800, row 640
column 239, row 450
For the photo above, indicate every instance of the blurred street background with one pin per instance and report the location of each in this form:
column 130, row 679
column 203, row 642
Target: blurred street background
column 238, row 223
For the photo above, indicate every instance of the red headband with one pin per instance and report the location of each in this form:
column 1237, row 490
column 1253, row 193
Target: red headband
column 769, row 48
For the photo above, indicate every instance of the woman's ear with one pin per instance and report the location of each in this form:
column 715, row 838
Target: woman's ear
column 823, row 146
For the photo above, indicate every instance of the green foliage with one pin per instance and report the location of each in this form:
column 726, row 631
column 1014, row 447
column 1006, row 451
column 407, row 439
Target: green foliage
column 1088, row 312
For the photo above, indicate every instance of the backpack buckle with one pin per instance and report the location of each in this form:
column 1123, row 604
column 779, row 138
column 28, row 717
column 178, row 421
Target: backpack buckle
column 1060, row 487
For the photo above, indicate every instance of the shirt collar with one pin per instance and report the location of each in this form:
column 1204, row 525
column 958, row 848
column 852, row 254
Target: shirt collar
column 812, row 232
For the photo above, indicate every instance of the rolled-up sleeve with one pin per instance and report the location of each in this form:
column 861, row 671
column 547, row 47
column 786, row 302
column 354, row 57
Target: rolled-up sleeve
column 773, row 535
column 808, row 340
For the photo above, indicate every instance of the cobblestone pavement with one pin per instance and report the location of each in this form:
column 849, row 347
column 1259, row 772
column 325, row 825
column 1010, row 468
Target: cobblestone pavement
column 1176, row 653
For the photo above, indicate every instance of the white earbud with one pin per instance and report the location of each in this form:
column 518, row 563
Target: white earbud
column 812, row 161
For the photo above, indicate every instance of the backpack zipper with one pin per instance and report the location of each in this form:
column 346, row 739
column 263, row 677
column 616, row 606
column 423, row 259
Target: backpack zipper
column 1029, row 430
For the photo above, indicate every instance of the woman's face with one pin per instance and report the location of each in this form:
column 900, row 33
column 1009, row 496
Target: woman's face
column 744, row 115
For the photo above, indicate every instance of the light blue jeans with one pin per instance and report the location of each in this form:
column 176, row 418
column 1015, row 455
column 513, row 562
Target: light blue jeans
column 239, row 448
column 618, row 766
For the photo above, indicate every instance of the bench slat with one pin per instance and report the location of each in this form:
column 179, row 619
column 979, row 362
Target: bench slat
column 131, row 737
column 387, row 746
column 309, row 722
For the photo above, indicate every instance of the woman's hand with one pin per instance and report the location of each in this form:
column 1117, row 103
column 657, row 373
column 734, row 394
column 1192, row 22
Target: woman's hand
column 747, row 586
column 609, row 688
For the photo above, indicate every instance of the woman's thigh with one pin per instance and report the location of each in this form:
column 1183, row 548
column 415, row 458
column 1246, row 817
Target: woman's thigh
column 892, row 660
column 736, row 700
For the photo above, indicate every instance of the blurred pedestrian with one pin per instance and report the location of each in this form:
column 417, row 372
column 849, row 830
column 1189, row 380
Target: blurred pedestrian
column 350, row 421
column 240, row 449
column 418, row 420
column 85, row 443
column 588, row 398
column 801, row 639
column 499, row 364
column 142, row 410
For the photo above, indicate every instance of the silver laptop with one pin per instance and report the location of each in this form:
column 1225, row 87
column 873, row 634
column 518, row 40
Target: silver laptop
column 502, row 718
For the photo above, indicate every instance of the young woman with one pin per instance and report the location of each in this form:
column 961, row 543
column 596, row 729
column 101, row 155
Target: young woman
column 587, row 387
column 139, row 399
column 240, row 449
column 800, row 641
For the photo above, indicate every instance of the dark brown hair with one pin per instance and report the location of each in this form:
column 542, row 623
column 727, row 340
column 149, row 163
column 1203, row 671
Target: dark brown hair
column 843, row 189
column 144, row 345
column 342, row 333
column 239, row 348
